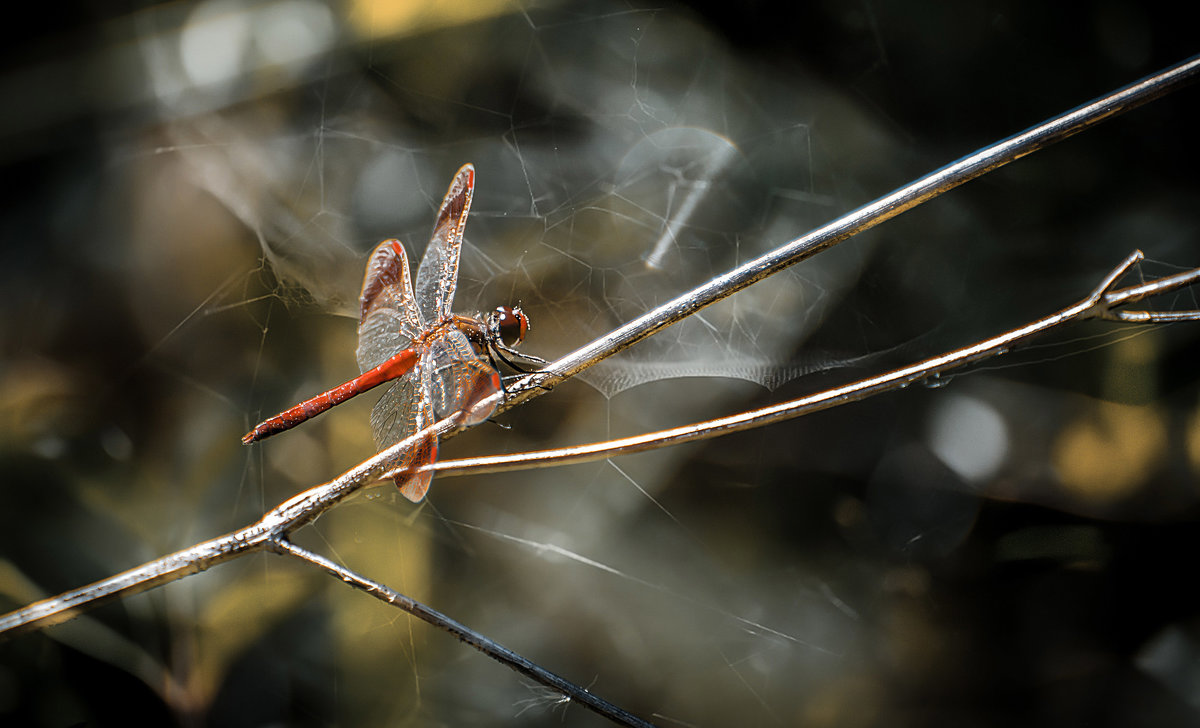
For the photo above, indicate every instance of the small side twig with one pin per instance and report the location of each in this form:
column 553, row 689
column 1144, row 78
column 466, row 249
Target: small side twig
column 1112, row 299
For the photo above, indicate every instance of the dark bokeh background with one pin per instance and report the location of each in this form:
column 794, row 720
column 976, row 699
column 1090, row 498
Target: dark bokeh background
column 190, row 193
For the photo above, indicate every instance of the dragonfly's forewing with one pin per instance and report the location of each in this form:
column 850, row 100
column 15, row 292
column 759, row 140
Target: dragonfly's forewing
column 438, row 274
column 389, row 319
column 401, row 411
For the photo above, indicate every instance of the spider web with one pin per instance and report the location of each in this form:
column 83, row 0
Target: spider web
column 624, row 155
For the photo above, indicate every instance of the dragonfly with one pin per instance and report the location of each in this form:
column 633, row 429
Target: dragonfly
column 441, row 364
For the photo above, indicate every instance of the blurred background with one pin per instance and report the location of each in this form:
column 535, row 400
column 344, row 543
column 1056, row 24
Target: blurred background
column 190, row 193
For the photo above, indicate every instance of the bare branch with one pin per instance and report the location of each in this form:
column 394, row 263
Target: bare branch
column 864, row 218
column 271, row 533
column 1097, row 305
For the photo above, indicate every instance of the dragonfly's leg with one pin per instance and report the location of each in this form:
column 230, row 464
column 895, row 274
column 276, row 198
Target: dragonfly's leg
column 501, row 347
column 515, row 377
column 497, row 352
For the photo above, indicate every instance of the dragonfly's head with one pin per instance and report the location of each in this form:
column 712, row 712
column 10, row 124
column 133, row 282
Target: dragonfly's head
column 508, row 325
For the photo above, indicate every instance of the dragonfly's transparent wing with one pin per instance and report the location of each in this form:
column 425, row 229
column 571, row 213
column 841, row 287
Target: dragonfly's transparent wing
column 458, row 380
column 389, row 319
column 401, row 411
column 438, row 274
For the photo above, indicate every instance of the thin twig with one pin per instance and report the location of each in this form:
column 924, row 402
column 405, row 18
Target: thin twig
column 488, row 647
column 868, row 216
column 1099, row 304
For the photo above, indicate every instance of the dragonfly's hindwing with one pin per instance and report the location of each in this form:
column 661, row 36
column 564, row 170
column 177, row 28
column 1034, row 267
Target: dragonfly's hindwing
column 401, row 412
column 459, row 382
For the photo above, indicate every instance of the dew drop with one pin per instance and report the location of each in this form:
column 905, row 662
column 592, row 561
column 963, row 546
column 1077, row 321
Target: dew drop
column 936, row 381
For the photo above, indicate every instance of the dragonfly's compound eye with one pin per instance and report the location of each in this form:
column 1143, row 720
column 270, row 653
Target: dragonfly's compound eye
column 510, row 324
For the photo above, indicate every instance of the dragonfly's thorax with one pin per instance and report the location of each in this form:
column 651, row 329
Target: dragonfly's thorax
column 503, row 328
column 476, row 331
